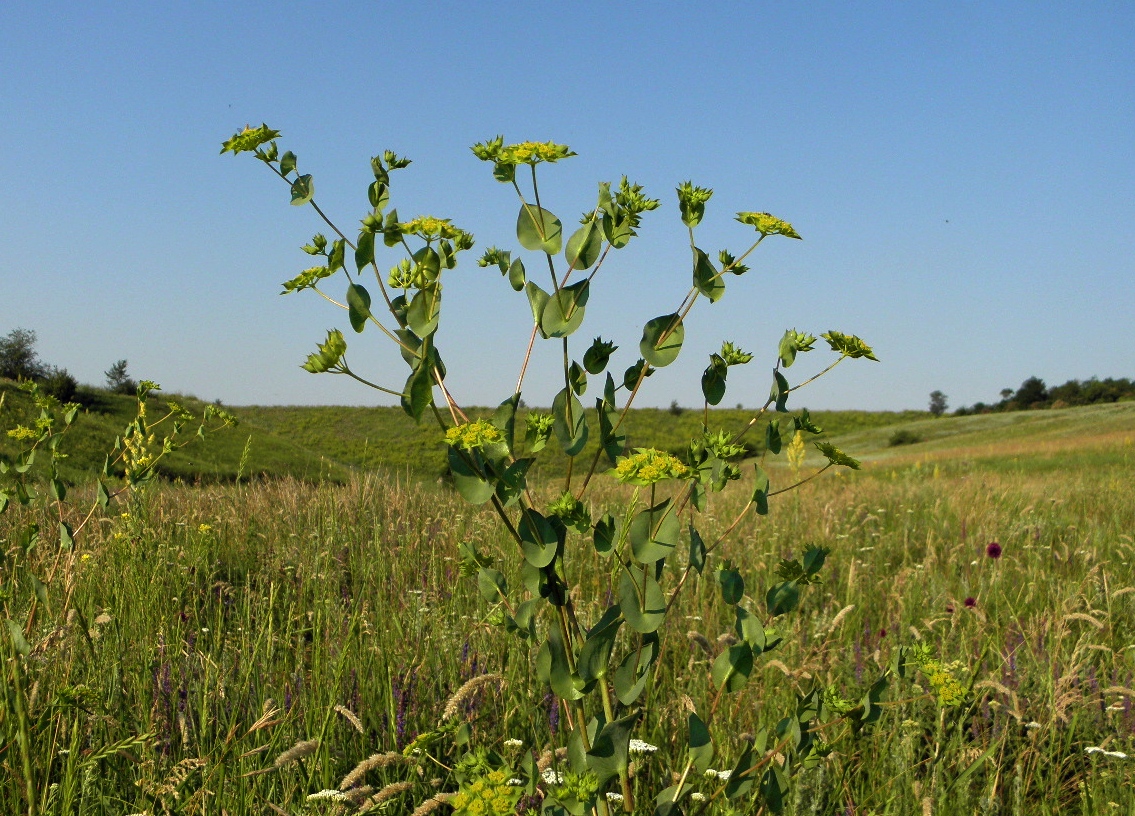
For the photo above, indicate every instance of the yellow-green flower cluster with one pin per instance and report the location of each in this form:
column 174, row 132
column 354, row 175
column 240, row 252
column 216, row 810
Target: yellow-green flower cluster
column 429, row 228
column 520, row 153
column 473, row 435
column 22, row 432
column 767, row 224
column 648, row 466
column 941, row 677
column 489, row 795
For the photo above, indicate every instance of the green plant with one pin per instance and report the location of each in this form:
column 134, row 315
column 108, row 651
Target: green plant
column 30, row 597
column 599, row 659
column 903, row 437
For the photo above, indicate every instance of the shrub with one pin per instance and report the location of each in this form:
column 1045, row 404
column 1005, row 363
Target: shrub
column 903, row 437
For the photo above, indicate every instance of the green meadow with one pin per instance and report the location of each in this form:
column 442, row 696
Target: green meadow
column 294, row 582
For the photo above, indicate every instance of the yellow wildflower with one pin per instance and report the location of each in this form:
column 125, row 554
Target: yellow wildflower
column 649, row 466
column 473, row 435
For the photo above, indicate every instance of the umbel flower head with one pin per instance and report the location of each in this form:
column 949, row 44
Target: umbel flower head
column 647, row 466
column 473, row 435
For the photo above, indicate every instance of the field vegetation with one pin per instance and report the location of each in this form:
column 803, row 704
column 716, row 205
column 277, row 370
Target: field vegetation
column 239, row 647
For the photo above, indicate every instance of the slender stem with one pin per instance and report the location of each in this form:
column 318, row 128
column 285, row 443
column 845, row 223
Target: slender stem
column 355, row 376
column 527, row 357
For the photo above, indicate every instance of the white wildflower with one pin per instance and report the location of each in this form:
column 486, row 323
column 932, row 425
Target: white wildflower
column 1093, row 750
column 513, row 743
column 550, row 777
column 697, row 796
column 637, row 746
column 614, row 797
column 515, row 783
column 1032, row 726
column 333, row 795
column 724, row 775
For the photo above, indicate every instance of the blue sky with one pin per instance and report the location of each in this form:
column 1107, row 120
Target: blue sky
column 961, row 173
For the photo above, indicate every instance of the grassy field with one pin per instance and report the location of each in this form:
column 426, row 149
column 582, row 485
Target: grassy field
column 212, row 628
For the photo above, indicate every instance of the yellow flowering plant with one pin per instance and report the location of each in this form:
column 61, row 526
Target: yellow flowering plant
column 599, row 665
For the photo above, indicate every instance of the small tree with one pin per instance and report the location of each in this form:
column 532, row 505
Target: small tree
column 118, row 381
column 937, row 403
column 1032, row 392
column 18, row 358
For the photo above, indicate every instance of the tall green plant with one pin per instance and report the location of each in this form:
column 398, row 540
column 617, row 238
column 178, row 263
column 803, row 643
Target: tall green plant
column 601, row 670
column 36, row 604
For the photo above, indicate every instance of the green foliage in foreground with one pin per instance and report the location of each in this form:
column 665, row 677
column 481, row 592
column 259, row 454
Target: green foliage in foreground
column 216, row 628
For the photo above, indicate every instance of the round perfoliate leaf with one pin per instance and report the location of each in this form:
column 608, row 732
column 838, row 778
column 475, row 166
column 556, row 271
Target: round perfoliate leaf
column 662, row 339
column 584, row 245
column 538, row 230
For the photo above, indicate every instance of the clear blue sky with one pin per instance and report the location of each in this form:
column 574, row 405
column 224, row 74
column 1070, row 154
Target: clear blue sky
column 963, row 175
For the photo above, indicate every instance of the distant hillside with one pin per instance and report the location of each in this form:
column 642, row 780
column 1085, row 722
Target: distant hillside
column 329, row 442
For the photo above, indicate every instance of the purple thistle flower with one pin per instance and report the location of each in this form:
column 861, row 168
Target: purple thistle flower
column 971, row 602
column 993, row 550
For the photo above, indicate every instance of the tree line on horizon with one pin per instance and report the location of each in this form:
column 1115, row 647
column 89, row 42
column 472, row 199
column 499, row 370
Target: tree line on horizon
column 1034, row 394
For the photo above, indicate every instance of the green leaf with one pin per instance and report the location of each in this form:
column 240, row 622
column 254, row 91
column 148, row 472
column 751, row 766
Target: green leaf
column 19, row 643
column 570, row 425
column 595, row 656
column 538, row 230
column 782, row 598
column 732, row 584
column 606, row 534
column 538, row 539
column 358, row 306
column 697, row 550
column 597, row 356
column 470, row 483
column 364, row 250
column 780, row 391
column 772, row 437
column 814, row 558
column 504, row 419
column 424, row 312
column 563, row 312
column 537, row 300
column 654, row 533
column 632, row 375
column 513, row 482
column 706, row 279
column 662, row 339
column 584, row 245
column 774, row 787
column 644, row 607
column 608, row 754
column 516, row 277
column 492, row 585
column 713, row 383
column 559, row 670
column 57, row 489
column 732, row 668
column 631, row 675
column 66, row 536
column 379, row 196
column 612, row 440
column 760, row 490
column 740, row 780
column 303, row 190
column 287, row 163
column 788, row 348
column 750, row 629
column 418, row 393
column 701, row 746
